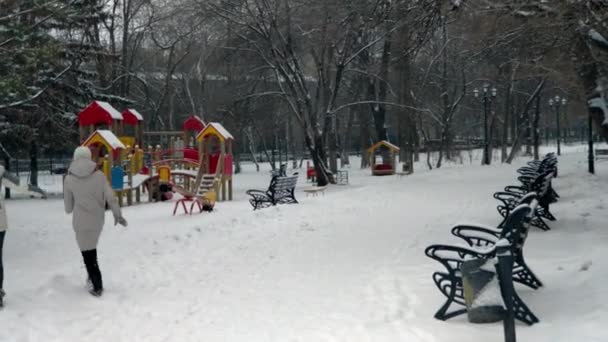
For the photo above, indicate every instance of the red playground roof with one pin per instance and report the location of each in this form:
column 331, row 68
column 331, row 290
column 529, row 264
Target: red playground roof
column 132, row 117
column 98, row 112
column 194, row 123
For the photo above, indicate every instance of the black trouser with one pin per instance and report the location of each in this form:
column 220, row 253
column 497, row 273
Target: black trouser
column 1, row 267
column 90, row 262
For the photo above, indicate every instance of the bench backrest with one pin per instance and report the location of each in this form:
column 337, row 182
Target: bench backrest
column 601, row 152
column 279, row 184
column 517, row 226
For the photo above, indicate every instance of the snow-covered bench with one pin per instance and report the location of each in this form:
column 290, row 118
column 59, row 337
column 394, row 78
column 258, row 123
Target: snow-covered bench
column 280, row 191
column 483, row 246
column 511, row 200
column 601, row 153
column 541, row 185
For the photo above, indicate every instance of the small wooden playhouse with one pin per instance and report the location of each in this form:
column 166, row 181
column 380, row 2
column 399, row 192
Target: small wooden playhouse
column 388, row 155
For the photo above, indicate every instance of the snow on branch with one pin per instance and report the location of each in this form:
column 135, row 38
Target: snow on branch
column 598, row 38
column 35, row 96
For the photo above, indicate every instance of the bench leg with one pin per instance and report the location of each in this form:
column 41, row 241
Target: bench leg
column 442, row 314
column 525, row 276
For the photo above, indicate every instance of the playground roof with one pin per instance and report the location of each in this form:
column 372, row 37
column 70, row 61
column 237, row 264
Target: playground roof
column 132, row 117
column 385, row 143
column 98, row 112
column 106, row 138
column 194, row 123
column 215, row 128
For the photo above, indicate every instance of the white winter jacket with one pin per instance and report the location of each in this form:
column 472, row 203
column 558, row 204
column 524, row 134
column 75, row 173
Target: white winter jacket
column 3, row 220
column 86, row 192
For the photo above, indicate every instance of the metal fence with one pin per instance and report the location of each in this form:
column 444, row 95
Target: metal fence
column 45, row 165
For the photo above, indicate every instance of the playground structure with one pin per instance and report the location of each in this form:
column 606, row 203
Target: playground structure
column 388, row 152
column 215, row 149
column 197, row 163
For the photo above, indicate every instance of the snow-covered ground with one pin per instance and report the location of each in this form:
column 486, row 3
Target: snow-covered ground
column 347, row 266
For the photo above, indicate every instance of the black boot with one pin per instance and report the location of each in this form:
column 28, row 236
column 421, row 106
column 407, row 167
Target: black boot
column 90, row 262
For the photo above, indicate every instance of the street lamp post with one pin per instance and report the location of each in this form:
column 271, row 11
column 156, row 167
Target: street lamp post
column 556, row 103
column 486, row 99
column 591, row 157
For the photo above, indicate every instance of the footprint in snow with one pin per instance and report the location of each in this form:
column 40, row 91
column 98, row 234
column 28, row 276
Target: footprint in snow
column 586, row 265
column 585, row 214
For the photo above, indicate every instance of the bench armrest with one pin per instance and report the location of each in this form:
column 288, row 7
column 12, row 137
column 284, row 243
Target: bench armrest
column 517, row 190
column 452, row 257
column 257, row 194
column 477, row 236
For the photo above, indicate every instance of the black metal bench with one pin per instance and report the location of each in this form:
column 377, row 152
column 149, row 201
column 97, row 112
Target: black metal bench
column 601, row 153
column 542, row 186
column 450, row 283
column 280, row 191
column 516, row 196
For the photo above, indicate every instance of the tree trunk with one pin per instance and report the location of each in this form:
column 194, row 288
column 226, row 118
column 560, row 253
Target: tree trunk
column 252, row 149
column 590, row 75
column 535, row 130
column 323, row 177
column 365, row 136
column 344, row 157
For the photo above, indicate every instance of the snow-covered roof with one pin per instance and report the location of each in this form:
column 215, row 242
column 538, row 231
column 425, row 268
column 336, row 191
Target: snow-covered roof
column 111, row 139
column 108, row 138
column 111, row 110
column 218, row 128
column 223, row 131
column 136, row 114
column 385, row 143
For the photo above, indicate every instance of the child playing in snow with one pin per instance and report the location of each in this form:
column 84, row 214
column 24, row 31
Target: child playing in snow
column 3, row 227
column 86, row 193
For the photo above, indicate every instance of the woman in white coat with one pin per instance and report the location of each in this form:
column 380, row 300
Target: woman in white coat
column 86, row 193
column 3, row 228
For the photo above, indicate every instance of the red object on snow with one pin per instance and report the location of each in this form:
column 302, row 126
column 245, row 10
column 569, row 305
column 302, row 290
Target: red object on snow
column 311, row 173
column 383, row 167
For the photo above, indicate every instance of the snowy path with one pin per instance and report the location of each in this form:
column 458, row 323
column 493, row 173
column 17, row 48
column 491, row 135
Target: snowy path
column 348, row 266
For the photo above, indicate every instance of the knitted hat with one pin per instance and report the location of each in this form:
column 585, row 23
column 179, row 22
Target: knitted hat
column 82, row 152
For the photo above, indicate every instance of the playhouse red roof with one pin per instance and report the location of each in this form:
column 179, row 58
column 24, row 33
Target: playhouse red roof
column 132, row 117
column 98, row 112
column 194, row 123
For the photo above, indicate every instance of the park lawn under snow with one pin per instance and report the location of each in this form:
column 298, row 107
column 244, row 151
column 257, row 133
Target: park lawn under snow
column 347, row 266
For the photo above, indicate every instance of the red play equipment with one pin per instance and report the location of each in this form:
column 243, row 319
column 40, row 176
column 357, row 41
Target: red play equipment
column 311, row 173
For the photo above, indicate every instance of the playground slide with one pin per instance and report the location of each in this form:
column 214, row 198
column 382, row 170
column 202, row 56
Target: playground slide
column 12, row 183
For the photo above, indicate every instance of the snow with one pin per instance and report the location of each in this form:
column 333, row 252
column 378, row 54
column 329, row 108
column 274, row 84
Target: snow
column 597, row 37
column 111, row 110
column 223, row 131
column 111, row 139
column 348, row 266
column 598, row 102
column 136, row 114
column 489, row 295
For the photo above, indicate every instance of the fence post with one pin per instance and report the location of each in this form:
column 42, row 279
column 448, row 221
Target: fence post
column 504, row 270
